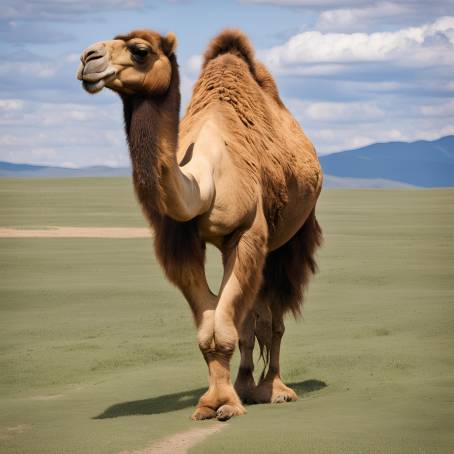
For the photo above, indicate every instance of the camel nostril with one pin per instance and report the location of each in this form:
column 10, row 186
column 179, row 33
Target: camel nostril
column 93, row 53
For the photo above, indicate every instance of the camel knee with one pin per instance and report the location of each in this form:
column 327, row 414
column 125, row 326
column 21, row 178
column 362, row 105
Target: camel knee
column 206, row 342
column 224, row 344
column 218, row 337
column 205, row 332
column 225, row 338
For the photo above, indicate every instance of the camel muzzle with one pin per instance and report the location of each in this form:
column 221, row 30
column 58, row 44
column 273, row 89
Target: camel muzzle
column 94, row 68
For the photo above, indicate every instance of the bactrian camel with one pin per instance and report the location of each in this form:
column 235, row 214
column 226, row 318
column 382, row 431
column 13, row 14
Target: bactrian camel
column 237, row 172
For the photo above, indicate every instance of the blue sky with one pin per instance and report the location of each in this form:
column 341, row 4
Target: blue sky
column 353, row 72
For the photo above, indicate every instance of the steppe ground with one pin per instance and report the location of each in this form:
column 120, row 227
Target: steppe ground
column 98, row 351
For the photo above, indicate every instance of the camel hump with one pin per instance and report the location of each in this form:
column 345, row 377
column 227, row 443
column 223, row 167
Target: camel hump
column 231, row 41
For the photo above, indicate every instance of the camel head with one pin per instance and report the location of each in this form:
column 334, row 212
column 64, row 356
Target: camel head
column 138, row 62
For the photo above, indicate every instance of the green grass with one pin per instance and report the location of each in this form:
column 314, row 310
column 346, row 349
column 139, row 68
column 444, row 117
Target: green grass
column 76, row 202
column 98, row 351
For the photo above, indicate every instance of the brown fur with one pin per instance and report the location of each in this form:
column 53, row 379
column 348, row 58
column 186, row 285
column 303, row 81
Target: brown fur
column 264, row 136
column 151, row 124
column 231, row 75
column 273, row 160
column 288, row 269
column 234, row 42
column 286, row 275
column 249, row 117
column 165, row 44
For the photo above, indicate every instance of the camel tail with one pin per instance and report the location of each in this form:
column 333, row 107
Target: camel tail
column 231, row 41
column 289, row 269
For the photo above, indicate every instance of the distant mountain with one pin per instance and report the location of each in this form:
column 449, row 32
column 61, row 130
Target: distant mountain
column 330, row 181
column 381, row 165
column 422, row 163
column 8, row 169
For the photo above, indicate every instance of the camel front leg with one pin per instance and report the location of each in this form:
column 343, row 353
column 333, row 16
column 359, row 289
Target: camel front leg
column 193, row 284
column 203, row 305
column 243, row 264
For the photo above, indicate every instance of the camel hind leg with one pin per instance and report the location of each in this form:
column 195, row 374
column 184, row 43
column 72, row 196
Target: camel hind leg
column 271, row 388
column 245, row 384
column 286, row 275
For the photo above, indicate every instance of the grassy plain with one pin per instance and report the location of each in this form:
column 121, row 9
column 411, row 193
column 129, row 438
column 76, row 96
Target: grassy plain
column 98, row 351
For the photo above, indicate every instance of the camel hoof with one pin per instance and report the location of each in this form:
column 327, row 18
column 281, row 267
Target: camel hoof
column 287, row 397
column 279, row 399
column 245, row 388
column 203, row 413
column 225, row 412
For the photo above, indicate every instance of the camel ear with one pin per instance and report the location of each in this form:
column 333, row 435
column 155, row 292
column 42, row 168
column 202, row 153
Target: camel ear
column 169, row 43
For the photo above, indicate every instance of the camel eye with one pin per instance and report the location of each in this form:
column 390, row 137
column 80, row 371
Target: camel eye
column 139, row 54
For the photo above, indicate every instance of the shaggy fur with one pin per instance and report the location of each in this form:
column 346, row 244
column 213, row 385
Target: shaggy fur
column 233, row 42
column 286, row 275
column 288, row 269
column 264, row 136
column 230, row 75
column 276, row 170
column 151, row 125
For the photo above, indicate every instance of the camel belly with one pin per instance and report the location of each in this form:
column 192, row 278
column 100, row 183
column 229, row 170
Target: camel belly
column 290, row 224
column 302, row 200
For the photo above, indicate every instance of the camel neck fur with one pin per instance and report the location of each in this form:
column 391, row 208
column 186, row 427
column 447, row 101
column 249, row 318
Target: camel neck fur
column 151, row 123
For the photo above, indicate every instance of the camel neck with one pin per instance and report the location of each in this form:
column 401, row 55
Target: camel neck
column 151, row 124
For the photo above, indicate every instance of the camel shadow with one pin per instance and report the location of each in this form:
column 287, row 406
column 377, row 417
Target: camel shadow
column 185, row 399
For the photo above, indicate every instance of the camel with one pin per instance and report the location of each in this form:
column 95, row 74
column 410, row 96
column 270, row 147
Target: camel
column 237, row 172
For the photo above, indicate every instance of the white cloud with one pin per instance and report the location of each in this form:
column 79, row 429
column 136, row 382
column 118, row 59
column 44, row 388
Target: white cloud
column 443, row 108
column 346, row 89
column 353, row 19
column 44, row 153
column 310, row 3
column 355, row 15
column 194, row 64
column 341, row 126
column 188, row 76
column 394, row 85
column 42, row 70
column 19, row 112
column 343, row 4
column 69, row 164
column 338, row 112
column 11, row 104
column 58, row 9
column 331, row 140
column 52, row 133
column 431, row 44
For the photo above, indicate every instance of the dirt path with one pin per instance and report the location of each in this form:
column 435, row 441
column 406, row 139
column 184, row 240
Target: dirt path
column 9, row 432
column 76, row 232
column 179, row 443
